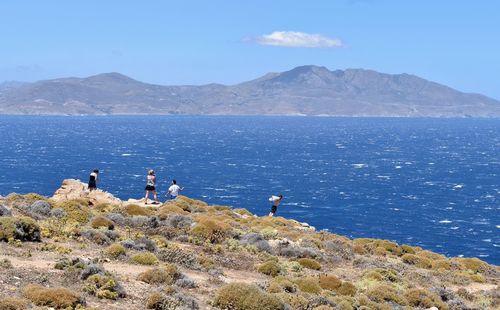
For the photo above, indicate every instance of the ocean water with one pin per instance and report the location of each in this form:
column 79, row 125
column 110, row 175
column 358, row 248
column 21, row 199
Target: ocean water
column 434, row 183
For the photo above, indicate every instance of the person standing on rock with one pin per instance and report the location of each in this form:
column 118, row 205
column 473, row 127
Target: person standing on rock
column 276, row 200
column 93, row 180
column 173, row 190
column 151, row 187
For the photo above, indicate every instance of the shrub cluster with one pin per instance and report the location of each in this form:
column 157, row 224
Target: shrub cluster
column 115, row 250
column 4, row 211
column 145, row 258
column 60, row 298
column 271, row 268
column 103, row 286
column 133, row 210
column 99, row 236
column 140, row 244
column 211, row 230
column 101, row 221
column 161, row 301
column 176, row 255
column 166, row 274
column 256, row 240
column 77, row 210
column 13, row 303
column 424, row 299
column 18, row 228
column 310, row 263
column 242, row 296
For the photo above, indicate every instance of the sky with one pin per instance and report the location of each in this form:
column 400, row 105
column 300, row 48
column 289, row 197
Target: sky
column 456, row 43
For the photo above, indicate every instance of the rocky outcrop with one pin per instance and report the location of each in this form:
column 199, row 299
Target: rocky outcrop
column 75, row 189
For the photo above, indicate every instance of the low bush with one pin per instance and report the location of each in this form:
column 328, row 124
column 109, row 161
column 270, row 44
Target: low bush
column 162, row 275
column 133, row 210
column 146, row 258
column 52, row 297
column 186, row 283
column 101, row 221
column 329, row 282
column 474, row 264
column 4, row 211
column 162, row 301
column 271, row 268
column 347, row 289
column 211, row 230
column 424, row 299
column 77, row 210
column 176, row 255
column 140, row 244
column 13, row 303
column 412, row 259
column 339, row 247
column 382, row 274
column 242, row 296
column 103, row 286
column 308, row 285
column 99, row 236
column 385, row 293
column 310, row 263
column 115, row 250
column 39, row 209
column 178, row 221
column 18, row 228
column 294, row 301
column 168, row 209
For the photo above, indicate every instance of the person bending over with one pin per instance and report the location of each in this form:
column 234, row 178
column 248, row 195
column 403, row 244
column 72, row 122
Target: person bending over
column 276, row 200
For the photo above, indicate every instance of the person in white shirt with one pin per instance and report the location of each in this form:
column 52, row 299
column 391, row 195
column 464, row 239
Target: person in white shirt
column 174, row 189
column 276, row 200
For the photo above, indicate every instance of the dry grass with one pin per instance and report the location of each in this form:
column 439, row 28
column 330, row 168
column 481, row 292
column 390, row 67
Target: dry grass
column 59, row 298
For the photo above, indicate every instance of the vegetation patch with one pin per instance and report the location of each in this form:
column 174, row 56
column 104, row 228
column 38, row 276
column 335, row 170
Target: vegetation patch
column 310, row 263
column 329, row 282
column 60, row 298
column 242, row 296
column 162, row 275
column 424, row 299
column 115, row 250
column 385, row 293
column 145, row 258
column 309, row 285
column 211, row 230
column 13, row 303
column 169, row 208
column 77, row 210
column 18, row 228
column 102, row 222
column 271, row 268
column 103, row 286
column 134, row 210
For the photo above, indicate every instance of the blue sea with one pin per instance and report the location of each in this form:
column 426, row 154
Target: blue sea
column 434, row 183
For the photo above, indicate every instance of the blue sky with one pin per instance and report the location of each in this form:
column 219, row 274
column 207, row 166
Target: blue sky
column 456, row 43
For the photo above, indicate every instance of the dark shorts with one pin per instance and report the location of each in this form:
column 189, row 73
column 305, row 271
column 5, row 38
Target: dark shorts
column 150, row 188
column 92, row 184
column 274, row 209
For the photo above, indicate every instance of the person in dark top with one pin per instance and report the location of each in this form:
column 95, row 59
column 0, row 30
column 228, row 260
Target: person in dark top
column 276, row 200
column 93, row 180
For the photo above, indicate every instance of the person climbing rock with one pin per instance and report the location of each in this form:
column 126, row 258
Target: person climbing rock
column 93, row 180
column 151, row 187
column 276, row 200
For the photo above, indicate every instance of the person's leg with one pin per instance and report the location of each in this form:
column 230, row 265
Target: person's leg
column 146, row 197
column 154, row 196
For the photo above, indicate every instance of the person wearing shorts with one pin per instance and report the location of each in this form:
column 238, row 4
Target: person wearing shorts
column 151, row 187
column 276, row 200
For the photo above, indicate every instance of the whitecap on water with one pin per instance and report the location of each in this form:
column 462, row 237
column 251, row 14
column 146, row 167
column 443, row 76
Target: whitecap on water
column 486, row 240
column 126, row 154
column 454, row 227
column 359, row 166
column 457, row 186
column 445, row 221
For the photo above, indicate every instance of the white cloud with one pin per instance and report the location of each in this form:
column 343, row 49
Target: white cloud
column 297, row 39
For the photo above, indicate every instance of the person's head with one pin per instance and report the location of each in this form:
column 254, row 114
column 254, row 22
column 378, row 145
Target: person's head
column 96, row 171
column 151, row 172
column 280, row 196
column 174, row 182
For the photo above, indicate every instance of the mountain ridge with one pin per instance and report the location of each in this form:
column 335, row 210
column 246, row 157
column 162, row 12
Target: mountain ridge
column 305, row 90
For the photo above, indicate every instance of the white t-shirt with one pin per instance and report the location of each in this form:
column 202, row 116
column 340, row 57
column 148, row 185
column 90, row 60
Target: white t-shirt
column 275, row 200
column 174, row 190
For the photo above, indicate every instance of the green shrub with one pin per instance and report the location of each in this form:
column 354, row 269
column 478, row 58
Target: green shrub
column 242, row 296
column 309, row 285
column 5, row 264
column 115, row 250
column 145, row 258
column 310, row 263
column 104, row 287
column 101, row 221
column 76, row 210
column 424, row 299
column 347, row 289
column 474, row 264
column 385, row 293
column 134, row 210
column 163, row 275
column 295, row 301
column 52, row 297
column 18, row 228
column 381, row 274
column 271, row 268
column 211, row 230
column 329, row 282
column 406, row 249
column 285, row 284
column 13, row 303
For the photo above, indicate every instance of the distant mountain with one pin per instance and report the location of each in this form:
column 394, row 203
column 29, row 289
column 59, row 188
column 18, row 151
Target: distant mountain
column 305, row 90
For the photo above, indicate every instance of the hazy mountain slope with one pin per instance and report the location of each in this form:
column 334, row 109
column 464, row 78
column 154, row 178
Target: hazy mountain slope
column 305, row 90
